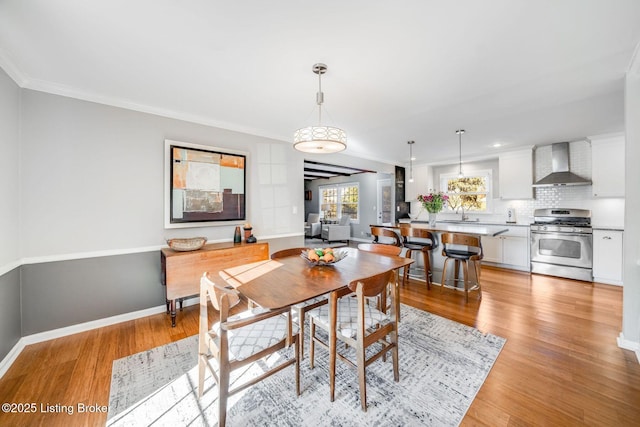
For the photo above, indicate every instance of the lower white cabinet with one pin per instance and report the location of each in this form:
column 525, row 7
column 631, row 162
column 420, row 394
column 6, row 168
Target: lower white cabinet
column 509, row 249
column 607, row 256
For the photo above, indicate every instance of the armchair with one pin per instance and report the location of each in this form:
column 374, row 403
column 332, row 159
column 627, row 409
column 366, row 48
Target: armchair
column 340, row 231
column 312, row 226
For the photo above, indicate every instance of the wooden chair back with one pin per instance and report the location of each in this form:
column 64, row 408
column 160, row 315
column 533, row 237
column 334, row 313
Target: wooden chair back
column 287, row 252
column 374, row 285
column 472, row 242
column 380, row 249
column 222, row 299
column 377, row 232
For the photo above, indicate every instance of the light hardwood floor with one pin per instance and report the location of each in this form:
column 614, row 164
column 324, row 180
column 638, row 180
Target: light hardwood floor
column 560, row 365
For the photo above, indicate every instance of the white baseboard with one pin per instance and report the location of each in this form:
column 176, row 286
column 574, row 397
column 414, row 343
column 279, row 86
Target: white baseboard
column 81, row 327
column 629, row 345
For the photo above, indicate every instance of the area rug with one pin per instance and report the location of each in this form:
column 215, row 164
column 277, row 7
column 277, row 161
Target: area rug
column 443, row 364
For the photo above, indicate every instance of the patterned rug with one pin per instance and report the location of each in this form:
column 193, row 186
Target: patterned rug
column 443, row 364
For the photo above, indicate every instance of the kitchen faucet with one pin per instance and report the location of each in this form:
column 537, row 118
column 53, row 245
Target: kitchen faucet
column 464, row 217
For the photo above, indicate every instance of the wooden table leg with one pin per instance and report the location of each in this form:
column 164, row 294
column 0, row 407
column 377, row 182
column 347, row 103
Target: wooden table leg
column 333, row 315
column 173, row 313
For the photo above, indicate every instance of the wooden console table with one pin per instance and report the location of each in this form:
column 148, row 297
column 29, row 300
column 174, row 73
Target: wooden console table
column 181, row 271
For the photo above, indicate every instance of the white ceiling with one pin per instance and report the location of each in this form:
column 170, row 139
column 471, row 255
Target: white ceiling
column 518, row 72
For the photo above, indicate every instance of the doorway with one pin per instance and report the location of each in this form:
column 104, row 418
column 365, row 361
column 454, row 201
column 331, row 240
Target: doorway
column 385, row 202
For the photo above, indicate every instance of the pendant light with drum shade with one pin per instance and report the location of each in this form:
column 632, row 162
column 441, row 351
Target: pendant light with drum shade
column 411, row 159
column 459, row 132
column 320, row 139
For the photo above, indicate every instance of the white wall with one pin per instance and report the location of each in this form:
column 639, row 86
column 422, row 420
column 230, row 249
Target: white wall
column 92, row 178
column 9, row 171
column 631, row 296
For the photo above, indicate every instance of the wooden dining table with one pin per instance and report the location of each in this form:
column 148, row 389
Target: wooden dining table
column 291, row 280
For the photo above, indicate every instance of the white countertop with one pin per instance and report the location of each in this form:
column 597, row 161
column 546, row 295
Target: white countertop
column 463, row 227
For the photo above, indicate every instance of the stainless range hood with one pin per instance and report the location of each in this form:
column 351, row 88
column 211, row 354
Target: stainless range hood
column 561, row 175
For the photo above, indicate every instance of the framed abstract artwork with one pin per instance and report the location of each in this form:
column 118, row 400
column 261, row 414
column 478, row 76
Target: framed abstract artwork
column 204, row 186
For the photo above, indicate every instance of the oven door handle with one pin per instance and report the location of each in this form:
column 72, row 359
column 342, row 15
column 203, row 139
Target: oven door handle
column 559, row 233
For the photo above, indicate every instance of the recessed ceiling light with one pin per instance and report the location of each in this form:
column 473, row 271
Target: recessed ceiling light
column 496, row 145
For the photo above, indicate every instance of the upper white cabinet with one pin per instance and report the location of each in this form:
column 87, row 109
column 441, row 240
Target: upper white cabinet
column 515, row 174
column 607, row 170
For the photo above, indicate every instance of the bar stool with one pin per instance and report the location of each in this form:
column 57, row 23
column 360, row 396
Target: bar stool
column 377, row 232
column 462, row 257
column 425, row 247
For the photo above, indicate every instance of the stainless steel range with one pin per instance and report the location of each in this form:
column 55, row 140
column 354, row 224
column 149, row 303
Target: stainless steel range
column 562, row 243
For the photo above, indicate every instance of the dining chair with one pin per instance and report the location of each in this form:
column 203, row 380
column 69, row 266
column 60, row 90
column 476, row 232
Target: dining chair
column 390, row 251
column 299, row 310
column 240, row 340
column 464, row 249
column 359, row 325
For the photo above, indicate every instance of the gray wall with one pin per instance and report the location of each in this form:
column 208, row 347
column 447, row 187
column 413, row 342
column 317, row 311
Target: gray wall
column 10, row 325
column 9, row 214
column 631, row 296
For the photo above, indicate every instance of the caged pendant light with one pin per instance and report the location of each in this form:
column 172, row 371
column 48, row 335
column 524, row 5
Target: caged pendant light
column 320, row 139
column 459, row 132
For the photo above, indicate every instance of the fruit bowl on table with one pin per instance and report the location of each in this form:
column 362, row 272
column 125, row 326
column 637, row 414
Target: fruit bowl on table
column 326, row 256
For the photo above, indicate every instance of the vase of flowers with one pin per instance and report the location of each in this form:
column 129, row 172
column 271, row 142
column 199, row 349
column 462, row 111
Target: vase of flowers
column 433, row 202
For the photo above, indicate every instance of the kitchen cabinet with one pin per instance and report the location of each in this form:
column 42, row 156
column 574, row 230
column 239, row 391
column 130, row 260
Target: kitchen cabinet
column 607, row 256
column 510, row 249
column 607, row 165
column 515, row 174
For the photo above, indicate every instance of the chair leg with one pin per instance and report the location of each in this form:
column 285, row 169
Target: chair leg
column 427, row 267
column 476, row 265
column 301, row 329
column 223, row 395
column 312, row 334
column 444, row 274
column 298, row 357
column 202, row 370
column 395, row 356
column 465, row 276
column 362, row 374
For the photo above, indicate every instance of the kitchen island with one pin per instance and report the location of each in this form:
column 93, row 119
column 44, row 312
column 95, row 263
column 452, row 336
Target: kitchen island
column 504, row 245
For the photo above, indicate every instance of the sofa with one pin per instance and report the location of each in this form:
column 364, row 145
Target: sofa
column 312, row 227
column 340, row 231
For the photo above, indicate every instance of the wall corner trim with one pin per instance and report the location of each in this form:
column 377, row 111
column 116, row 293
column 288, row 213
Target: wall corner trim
column 629, row 345
column 4, row 269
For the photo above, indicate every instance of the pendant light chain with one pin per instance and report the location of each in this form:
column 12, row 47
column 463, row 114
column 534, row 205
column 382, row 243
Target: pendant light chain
column 410, row 160
column 319, row 97
column 460, row 132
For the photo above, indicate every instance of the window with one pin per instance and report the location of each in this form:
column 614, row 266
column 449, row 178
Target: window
column 472, row 192
column 340, row 199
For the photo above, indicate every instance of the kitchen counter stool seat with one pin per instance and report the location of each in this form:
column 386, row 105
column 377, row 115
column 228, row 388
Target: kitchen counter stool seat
column 427, row 244
column 465, row 250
